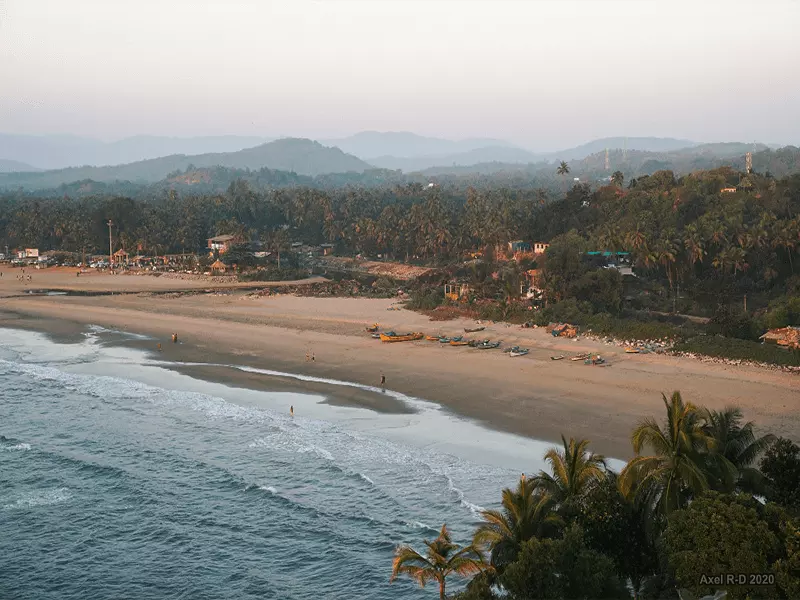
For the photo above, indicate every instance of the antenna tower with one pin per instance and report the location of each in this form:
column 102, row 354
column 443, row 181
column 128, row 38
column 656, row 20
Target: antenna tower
column 748, row 160
column 625, row 150
column 607, row 163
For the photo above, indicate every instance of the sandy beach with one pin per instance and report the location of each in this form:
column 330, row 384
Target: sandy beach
column 224, row 323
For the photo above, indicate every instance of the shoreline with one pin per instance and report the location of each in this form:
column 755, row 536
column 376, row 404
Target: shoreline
column 530, row 396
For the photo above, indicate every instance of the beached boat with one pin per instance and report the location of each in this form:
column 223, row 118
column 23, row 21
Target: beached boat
column 459, row 342
column 488, row 345
column 433, row 338
column 405, row 337
column 373, row 328
column 580, row 356
column 559, row 357
column 475, row 343
column 594, row 360
column 474, row 329
column 447, row 340
column 511, row 349
column 518, row 352
column 632, row 350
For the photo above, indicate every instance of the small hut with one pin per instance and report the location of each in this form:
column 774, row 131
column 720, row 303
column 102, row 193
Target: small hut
column 786, row 337
column 219, row 267
column 120, row 257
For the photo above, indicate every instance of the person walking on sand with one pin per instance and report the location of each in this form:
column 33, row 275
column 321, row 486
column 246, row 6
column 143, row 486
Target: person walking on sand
column 291, row 410
column 383, row 381
column 313, row 358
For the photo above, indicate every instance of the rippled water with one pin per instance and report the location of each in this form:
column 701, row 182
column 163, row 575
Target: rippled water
column 121, row 479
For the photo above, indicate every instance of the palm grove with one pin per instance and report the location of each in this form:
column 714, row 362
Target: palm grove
column 695, row 249
column 703, row 496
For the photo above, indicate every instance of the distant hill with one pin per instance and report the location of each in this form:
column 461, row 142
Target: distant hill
column 403, row 144
column 301, row 156
column 14, row 166
column 62, row 151
column 647, row 144
column 506, row 154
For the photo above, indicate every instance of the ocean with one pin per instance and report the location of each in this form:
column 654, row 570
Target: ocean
column 121, row 478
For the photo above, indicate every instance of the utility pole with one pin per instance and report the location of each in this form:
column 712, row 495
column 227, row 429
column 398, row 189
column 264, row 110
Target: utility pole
column 110, row 247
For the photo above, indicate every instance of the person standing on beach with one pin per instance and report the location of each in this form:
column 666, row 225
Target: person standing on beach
column 383, row 381
column 291, row 410
column 313, row 357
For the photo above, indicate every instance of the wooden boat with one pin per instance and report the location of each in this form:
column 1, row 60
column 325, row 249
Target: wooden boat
column 405, row 337
column 447, row 340
column 631, row 350
column 377, row 336
column 488, row 345
column 518, row 352
column 433, row 338
column 594, row 360
column 559, row 357
column 511, row 349
column 459, row 342
column 474, row 329
column 475, row 343
column 580, row 356
column 373, row 328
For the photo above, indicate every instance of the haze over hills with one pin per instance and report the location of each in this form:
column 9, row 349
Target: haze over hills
column 301, row 156
column 369, row 145
column 14, row 166
column 507, row 154
column 62, row 151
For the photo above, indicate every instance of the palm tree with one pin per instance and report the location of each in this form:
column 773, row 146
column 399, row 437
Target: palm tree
column 676, row 466
column 617, row 178
column 442, row 558
column 736, row 449
column 563, row 170
column 526, row 513
column 575, row 471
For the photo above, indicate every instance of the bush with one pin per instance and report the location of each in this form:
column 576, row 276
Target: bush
column 426, row 298
column 781, row 465
column 723, row 347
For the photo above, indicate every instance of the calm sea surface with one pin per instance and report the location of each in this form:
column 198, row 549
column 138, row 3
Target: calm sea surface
column 122, row 479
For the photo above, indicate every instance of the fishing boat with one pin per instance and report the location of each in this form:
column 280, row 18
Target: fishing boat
column 475, row 343
column 474, row 329
column 373, row 328
column 559, row 357
column 459, row 342
column 433, row 338
column 447, row 340
column 596, row 360
column 518, row 352
column 404, row 337
column 511, row 349
column 376, row 336
column 580, row 356
column 631, row 350
column 488, row 345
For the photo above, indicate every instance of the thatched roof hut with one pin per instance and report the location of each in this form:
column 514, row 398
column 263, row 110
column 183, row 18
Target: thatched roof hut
column 788, row 337
column 219, row 267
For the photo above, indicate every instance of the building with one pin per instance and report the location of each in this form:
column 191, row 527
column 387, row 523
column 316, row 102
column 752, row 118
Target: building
column 327, row 249
column 28, row 253
column 218, row 267
column 540, row 247
column 728, row 190
column 120, row 257
column 456, row 291
column 222, row 243
column 785, row 337
column 519, row 246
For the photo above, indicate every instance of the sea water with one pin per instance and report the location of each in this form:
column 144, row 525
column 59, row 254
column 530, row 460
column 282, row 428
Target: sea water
column 121, row 478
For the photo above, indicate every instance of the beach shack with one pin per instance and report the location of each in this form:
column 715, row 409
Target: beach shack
column 785, row 337
column 219, row 267
column 120, row 257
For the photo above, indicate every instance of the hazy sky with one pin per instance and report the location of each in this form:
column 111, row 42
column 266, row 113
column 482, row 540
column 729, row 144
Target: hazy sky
column 546, row 74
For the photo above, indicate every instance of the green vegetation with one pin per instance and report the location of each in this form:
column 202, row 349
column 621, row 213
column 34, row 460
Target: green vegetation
column 730, row 257
column 689, row 507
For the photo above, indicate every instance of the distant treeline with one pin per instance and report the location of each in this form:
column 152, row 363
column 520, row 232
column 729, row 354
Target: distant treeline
column 684, row 231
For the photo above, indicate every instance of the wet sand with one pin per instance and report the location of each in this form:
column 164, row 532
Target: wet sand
column 530, row 395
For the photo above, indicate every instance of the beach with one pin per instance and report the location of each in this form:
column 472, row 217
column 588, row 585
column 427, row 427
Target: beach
column 225, row 325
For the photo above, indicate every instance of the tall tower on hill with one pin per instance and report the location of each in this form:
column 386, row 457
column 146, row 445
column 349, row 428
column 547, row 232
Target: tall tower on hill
column 608, row 166
column 748, row 161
